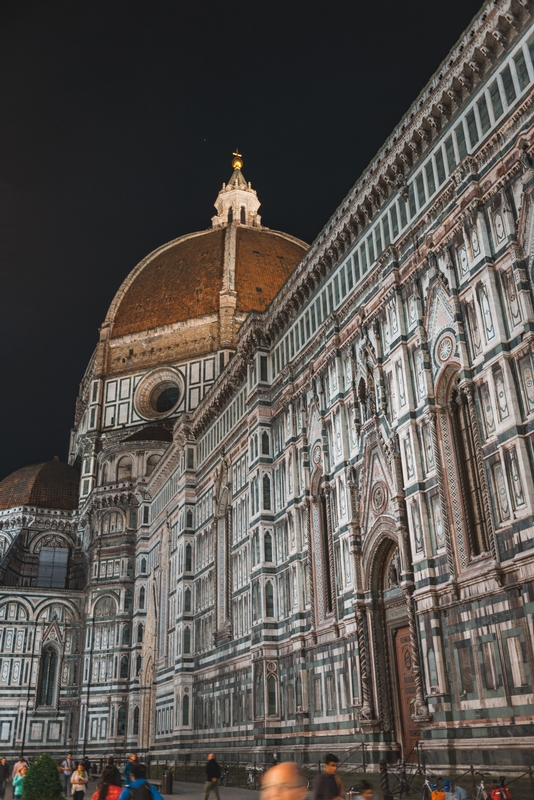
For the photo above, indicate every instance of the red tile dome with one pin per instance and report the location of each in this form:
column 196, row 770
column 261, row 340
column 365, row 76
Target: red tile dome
column 183, row 279
column 53, row 484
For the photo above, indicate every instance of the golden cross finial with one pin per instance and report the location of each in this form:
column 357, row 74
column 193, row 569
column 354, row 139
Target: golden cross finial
column 237, row 161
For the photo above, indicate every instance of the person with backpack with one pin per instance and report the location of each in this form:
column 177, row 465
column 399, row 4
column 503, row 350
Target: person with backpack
column 67, row 768
column 139, row 788
column 109, row 787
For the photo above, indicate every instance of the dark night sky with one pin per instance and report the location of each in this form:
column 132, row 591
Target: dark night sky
column 117, row 124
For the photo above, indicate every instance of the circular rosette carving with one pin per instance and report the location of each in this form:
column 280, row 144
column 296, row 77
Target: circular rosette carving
column 444, row 349
column 379, row 497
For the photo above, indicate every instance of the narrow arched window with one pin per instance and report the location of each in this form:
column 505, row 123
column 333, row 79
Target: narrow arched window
column 185, row 710
column 265, row 443
column 258, row 692
column 188, row 558
column 143, row 566
column 139, row 633
column 187, row 640
column 121, row 722
column 187, row 600
column 230, row 215
column 269, row 599
column 138, row 662
column 189, row 519
column 112, row 522
column 271, row 694
column 124, row 667
column 48, row 675
column 103, row 474
column 128, row 600
column 243, row 216
column 136, row 721
column 268, row 547
column 126, row 634
column 151, row 464
column 432, row 671
column 142, row 594
column 124, row 469
column 266, row 493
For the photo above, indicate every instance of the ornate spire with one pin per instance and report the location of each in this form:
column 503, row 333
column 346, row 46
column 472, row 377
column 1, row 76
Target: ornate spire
column 237, row 201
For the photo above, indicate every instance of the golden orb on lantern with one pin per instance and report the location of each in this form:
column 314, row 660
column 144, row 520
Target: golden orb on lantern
column 237, row 161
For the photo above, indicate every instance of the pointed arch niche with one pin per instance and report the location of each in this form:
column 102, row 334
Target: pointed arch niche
column 322, row 547
column 467, row 514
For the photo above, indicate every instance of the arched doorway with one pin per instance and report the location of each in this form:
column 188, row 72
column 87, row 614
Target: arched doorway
column 396, row 652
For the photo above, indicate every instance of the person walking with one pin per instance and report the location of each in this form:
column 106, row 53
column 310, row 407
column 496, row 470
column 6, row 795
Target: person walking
column 129, row 767
column 18, row 764
column 108, row 788
column 327, row 785
column 4, row 776
column 18, row 780
column 139, row 788
column 115, row 771
column 213, row 773
column 79, row 780
column 67, row 766
column 86, row 765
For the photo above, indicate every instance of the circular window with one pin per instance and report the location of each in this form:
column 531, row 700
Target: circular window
column 159, row 393
column 164, row 397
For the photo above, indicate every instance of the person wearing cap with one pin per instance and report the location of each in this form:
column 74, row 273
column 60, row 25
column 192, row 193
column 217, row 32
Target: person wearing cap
column 453, row 792
column 365, row 791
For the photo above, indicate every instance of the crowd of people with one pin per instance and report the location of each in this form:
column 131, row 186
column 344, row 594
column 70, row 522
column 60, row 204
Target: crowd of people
column 283, row 781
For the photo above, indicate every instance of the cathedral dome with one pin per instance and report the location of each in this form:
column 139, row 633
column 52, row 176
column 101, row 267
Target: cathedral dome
column 183, row 280
column 188, row 298
column 53, row 484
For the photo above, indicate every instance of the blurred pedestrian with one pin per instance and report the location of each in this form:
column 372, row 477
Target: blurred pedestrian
column 117, row 780
column 18, row 764
column 18, row 780
column 4, row 776
column 139, row 788
column 284, row 782
column 79, row 780
column 108, row 788
column 365, row 791
column 67, row 766
column 128, row 768
column 213, row 773
column 327, row 785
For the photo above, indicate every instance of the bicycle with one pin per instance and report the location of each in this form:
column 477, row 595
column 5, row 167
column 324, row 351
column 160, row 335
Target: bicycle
column 428, row 787
column 479, row 792
column 224, row 776
column 254, row 777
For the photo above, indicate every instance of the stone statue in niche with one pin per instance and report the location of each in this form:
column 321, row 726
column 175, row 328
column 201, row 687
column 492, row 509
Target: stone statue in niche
column 393, row 572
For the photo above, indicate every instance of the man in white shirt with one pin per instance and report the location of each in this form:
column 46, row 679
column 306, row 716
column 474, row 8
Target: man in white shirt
column 453, row 792
column 67, row 766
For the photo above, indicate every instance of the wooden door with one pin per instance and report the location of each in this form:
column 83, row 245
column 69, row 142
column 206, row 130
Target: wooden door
column 406, row 683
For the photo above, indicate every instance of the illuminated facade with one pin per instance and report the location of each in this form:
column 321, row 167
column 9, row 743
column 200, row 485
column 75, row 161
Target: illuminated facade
column 305, row 512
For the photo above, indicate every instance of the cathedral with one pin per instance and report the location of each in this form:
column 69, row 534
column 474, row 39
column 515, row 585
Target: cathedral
column 298, row 509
